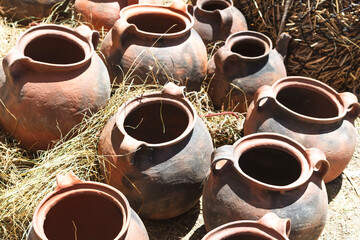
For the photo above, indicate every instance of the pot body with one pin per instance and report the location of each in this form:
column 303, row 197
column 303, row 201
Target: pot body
column 171, row 51
column 69, row 211
column 20, row 9
column 50, row 81
column 161, row 178
column 246, row 62
column 257, row 175
column 216, row 20
column 311, row 113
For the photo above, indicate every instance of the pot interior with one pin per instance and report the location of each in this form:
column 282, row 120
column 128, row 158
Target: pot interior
column 157, row 23
column 270, row 166
column 156, row 122
column 54, row 50
column 214, row 5
column 84, row 216
column 249, row 47
column 307, row 102
column 245, row 236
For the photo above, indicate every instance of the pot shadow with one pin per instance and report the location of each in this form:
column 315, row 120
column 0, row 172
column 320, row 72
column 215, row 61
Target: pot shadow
column 334, row 187
column 174, row 228
column 199, row 233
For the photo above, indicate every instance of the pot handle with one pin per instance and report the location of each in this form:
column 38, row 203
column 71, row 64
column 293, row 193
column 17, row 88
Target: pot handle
column 90, row 35
column 172, row 89
column 225, row 152
column 282, row 44
column 264, row 92
column 351, row 104
column 226, row 19
column 12, row 63
column 129, row 146
column 280, row 225
column 225, row 60
column 318, row 161
column 67, row 180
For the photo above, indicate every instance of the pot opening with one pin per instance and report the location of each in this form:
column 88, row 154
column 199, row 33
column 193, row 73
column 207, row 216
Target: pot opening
column 85, row 216
column 249, row 47
column 245, row 236
column 54, row 50
column 156, row 123
column 214, row 5
column 158, row 23
column 307, row 102
column 270, row 166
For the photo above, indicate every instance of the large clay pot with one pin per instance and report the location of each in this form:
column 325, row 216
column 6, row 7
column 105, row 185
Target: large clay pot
column 21, row 9
column 103, row 14
column 269, row 227
column 311, row 113
column 157, row 153
column 85, row 210
column 49, row 81
column 267, row 172
column 156, row 43
column 246, row 62
column 216, row 20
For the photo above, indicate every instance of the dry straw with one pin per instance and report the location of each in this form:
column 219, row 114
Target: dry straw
column 326, row 36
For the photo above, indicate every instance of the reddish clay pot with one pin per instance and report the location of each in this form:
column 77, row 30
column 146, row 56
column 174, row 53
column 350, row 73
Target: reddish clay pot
column 156, row 43
column 21, row 9
column 216, row 20
column 311, row 113
column 269, row 227
column 85, row 210
column 157, row 153
column 246, row 62
column 49, row 81
column 267, row 172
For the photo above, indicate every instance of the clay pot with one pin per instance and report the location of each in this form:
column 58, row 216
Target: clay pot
column 269, row 227
column 157, row 153
column 267, row 172
column 21, row 9
column 216, row 20
column 246, row 62
column 85, row 210
column 311, row 113
column 103, row 14
column 49, row 82
column 156, row 43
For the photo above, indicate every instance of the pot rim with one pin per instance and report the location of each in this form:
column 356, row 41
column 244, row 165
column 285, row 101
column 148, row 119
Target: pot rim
column 143, row 100
column 201, row 3
column 148, row 8
column 76, row 189
column 71, row 35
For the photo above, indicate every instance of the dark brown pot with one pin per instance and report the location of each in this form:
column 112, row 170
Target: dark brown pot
column 216, row 20
column 49, row 81
column 267, row 172
column 311, row 113
column 21, row 9
column 157, row 153
column 85, row 210
column 156, row 43
column 246, row 62
column 269, row 227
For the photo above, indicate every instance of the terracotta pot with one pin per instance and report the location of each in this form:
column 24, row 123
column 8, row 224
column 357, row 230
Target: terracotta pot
column 156, row 43
column 49, row 81
column 21, row 9
column 85, row 210
column 310, row 112
column 269, row 227
column 246, row 62
column 267, row 172
column 216, row 20
column 103, row 14
column 157, row 153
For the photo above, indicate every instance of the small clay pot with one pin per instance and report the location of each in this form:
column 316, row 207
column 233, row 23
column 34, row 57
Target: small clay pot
column 269, row 227
column 85, row 210
column 157, row 153
column 311, row 113
column 49, row 82
column 154, row 43
column 216, row 20
column 21, row 9
column 267, row 172
column 245, row 63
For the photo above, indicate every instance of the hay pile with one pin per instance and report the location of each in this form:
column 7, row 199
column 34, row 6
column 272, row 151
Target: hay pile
column 326, row 36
